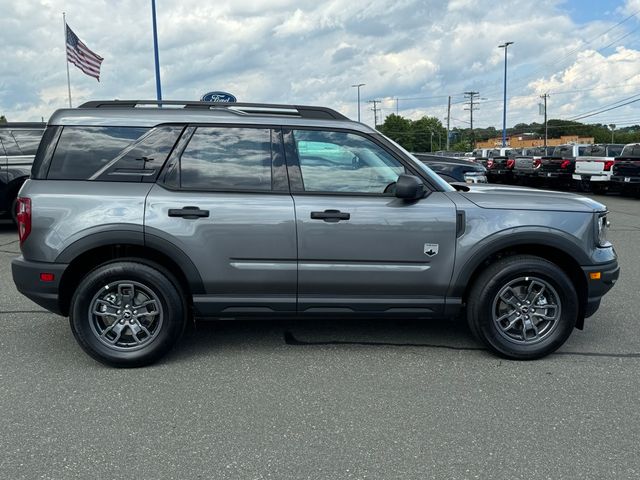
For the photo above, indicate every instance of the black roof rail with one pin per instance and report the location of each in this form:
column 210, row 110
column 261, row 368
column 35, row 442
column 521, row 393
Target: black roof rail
column 23, row 125
column 302, row 111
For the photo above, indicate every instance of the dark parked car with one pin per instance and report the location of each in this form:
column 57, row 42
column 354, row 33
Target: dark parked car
column 454, row 169
column 626, row 169
column 18, row 145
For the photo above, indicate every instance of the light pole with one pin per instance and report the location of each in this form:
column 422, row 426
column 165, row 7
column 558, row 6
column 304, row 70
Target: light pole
column 612, row 126
column 358, row 85
column 504, row 106
column 155, row 52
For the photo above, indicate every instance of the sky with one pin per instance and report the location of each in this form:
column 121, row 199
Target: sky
column 584, row 53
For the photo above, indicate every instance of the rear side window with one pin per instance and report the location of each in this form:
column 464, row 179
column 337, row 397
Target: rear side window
column 631, row 151
column 20, row 142
column 83, row 151
column 27, row 140
column 226, row 158
column 614, row 150
column 142, row 159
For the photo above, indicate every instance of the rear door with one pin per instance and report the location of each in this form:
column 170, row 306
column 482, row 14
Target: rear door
column 361, row 249
column 223, row 200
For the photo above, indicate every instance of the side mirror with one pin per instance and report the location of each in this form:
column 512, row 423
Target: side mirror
column 409, row 187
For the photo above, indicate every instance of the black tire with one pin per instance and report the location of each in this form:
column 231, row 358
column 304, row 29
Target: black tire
column 14, row 211
column 163, row 314
column 484, row 302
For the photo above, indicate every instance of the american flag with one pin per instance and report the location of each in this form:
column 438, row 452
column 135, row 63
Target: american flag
column 80, row 55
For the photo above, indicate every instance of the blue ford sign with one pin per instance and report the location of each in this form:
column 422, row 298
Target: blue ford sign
column 218, row 97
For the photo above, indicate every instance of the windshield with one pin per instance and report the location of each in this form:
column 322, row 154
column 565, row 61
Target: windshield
column 433, row 176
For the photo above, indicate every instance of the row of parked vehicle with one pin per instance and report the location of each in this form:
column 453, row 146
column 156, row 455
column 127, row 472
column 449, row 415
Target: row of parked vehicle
column 598, row 168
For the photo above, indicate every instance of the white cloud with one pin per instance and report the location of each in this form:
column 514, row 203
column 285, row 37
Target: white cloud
column 304, row 51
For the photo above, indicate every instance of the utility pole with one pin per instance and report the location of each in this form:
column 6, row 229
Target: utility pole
column 612, row 126
column 397, row 109
column 375, row 112
column 544, row 97
column 448, row 120
column 504, row 105
column 358, row 85
column 472, row 107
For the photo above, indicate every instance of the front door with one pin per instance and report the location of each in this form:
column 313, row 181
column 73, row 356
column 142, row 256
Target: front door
column 361, row 249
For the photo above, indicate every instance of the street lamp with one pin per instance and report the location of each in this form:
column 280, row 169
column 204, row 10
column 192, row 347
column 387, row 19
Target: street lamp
column 504, row 106
column 358, row 85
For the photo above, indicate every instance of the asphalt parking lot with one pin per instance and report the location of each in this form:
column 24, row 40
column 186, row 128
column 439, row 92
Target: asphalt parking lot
column 326, row 399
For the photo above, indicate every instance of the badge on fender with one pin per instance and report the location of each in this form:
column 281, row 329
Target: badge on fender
column 431, row 249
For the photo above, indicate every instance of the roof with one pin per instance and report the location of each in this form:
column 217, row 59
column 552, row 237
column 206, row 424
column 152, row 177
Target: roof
column 146, row 113
column 23, row 125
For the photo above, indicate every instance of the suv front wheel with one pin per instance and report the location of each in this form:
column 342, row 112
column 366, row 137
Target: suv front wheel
column 127, row 314
column 522, row 307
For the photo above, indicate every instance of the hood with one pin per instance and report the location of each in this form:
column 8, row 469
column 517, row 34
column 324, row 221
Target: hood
column 522, row 198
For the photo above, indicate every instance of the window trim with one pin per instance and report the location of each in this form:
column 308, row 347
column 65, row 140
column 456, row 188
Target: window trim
column 295, row 173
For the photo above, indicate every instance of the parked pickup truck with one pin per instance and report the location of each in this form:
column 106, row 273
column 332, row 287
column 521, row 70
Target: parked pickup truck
column 500, row 165
column 626, row 169
column 594, row 169
column 525, row 168
column 561, row 165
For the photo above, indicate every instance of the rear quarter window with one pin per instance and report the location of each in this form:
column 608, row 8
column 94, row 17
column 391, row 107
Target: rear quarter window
column 83, row 151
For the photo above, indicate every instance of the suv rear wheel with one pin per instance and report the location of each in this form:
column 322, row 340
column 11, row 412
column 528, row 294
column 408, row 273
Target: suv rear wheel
column 127, row 314
column 522, row 307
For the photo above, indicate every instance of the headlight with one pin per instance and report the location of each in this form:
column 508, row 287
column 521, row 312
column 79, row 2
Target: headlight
column 475, row 177
column 603, row 227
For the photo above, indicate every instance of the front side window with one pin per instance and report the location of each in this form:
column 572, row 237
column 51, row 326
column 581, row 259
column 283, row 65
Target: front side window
column 344, row 162
column 83, row 151
column 221, row 158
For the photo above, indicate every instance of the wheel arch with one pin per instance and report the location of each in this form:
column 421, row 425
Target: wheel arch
column 564, row 253
column 158, row 253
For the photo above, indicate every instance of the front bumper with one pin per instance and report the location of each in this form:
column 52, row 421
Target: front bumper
column 26, row 276
column 598, row 287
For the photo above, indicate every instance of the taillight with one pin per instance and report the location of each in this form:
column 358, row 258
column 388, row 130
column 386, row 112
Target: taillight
column 24, row 218
column 489, row 163
column 565, row 164
column 607, row 165
column 510, row 163
column 537, row 162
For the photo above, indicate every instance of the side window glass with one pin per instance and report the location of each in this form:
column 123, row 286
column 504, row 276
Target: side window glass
column 344, row 162
column 220, row 158
column 27, row 140
column 8, row 143
column 144, row 158
column 82, row 151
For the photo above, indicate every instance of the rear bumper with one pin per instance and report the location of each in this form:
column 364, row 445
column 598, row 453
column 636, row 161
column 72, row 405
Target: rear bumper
column 597, row 288
column 625, row 180
column 26, row 276
column 591, row 177
column 557, row 175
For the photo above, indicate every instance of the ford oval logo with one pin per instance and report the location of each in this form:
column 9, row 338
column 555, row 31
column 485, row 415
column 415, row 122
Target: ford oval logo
column 218, row 97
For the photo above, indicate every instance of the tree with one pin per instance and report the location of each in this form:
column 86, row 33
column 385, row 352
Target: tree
column 398, row 129
column 3, row 119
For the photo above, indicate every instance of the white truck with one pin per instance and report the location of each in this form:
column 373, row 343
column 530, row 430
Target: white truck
column 595, row 167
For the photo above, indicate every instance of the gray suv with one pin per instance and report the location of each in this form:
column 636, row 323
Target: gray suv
column 137, row 219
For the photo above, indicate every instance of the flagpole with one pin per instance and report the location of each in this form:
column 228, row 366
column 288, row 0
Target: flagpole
column 66, row 60
column 155, row 51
